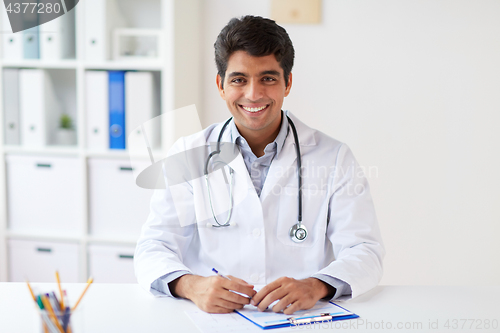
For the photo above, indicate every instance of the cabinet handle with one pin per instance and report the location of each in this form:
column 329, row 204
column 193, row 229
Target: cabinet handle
column 125, row 256
column 42, row 165
column 126, row 169
column 42, row 249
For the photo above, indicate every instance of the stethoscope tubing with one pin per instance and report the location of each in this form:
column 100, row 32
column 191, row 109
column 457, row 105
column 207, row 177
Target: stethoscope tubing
column 299, row 177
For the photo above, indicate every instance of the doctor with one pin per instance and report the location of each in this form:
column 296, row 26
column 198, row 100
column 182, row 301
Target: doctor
column 182, row 240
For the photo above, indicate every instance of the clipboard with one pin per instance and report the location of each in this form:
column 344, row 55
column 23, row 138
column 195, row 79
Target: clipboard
column 321, row 312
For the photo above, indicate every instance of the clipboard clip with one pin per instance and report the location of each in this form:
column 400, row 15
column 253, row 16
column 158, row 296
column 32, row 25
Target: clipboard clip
column 308, row 320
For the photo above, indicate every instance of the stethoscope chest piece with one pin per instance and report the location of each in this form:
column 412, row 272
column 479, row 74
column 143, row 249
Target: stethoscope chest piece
column 298, row 233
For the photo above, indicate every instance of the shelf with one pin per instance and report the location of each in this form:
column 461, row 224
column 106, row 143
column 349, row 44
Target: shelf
column 157, row 155
column 124, row 240
column 40, row 236
column 75, row 151
column 144, row 65
column 49, row 150
column 137, row 64
column 60, row 64
column 178, row 22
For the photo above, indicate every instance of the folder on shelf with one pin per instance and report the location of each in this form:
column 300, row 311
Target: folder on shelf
column 12, row 43
column 97, row 109
column 31, row 44
column 142, row 105
column 37, row 107
column 101, row 17
column 57, row 37
column 117, row 110
column 11, row 105
column 31, row 48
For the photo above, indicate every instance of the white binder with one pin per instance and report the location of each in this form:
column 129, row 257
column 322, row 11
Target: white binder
column 38, row 107
column 11, row 105
column 101, row 17
column 57, row 38
column 97, row 110
column 142, row 105
column 12, row 44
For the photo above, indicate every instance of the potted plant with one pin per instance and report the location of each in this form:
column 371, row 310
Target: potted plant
column 66, row 134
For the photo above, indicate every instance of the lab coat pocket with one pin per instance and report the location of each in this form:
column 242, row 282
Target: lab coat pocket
column 314, row 215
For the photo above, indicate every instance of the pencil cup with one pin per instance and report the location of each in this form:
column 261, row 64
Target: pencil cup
column 60, row 322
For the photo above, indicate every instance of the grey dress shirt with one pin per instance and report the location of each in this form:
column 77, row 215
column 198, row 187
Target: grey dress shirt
column 257, row 167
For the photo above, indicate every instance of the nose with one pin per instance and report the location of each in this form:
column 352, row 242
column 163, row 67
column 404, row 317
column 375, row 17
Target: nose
column 253, row 91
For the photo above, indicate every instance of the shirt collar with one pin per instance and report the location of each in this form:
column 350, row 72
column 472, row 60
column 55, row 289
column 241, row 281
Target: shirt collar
column 280, row 138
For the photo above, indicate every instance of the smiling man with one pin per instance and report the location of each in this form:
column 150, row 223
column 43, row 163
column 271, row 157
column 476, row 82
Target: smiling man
column 303, row 226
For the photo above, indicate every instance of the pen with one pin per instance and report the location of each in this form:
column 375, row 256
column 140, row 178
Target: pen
column 52, row 315
column 60, row 290
column 31, row 290
column 225, row 277
column 54, row 302
column 219, row 274
column 307, row 320
column 89, row 282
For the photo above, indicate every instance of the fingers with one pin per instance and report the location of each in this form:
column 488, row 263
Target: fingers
column 283, row 303
column 240, row 286
column 213, row 295
column 234, row 298
column 227, row 304
column 274, row 295
column 258, row 297
column 290, row 295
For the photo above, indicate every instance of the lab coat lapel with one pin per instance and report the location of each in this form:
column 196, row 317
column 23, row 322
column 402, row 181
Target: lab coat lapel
column 283, row 166
column 280, row 167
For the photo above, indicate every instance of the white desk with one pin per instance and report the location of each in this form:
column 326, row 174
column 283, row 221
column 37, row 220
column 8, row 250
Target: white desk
column 127, row 308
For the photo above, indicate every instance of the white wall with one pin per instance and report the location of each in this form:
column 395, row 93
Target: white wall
column 413, row 88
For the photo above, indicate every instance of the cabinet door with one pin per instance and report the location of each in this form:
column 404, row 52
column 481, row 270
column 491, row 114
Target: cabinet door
column 37, row 261
column 112, row 264
column 44, row 194
column 118, row 207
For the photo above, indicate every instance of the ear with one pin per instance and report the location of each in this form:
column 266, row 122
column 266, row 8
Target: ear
column 289, row 86
column 218, row 81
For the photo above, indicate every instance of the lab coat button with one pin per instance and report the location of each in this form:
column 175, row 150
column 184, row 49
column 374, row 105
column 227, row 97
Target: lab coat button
column 254, row 278
column 256, row 232
column 209, row 225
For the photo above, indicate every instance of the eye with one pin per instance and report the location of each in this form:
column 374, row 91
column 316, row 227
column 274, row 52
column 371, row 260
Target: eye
column 237, row 80
column 268, row 79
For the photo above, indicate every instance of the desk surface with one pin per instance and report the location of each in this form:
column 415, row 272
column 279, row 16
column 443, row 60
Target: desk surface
column 127, row 308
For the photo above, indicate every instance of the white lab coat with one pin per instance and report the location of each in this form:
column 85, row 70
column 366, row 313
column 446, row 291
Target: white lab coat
column 343, row 242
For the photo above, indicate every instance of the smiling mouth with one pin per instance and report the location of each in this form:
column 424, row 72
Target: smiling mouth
column 253, row 110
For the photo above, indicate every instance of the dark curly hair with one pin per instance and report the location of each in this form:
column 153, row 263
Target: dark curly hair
column 258, row 37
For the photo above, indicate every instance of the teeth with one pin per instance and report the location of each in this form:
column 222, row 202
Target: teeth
column 254, row 109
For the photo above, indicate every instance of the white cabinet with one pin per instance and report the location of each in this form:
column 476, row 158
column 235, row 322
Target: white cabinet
column 118, row 207
column 37, row 261
column 44, row 194
column 111, row 264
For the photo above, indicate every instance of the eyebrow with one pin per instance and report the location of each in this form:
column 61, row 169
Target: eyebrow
column 270, row 72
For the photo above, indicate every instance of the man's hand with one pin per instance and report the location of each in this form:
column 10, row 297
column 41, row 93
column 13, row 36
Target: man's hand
column 293, row 295
column 213, row 294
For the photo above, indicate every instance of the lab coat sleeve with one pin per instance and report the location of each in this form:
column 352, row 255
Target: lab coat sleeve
column 160, row 286
column 352, row 227
column 162, row 243
column 166, row 235
column 341, row 288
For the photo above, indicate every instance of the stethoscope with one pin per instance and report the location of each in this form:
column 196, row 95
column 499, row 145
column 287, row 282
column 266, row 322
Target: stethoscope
column 298, row 232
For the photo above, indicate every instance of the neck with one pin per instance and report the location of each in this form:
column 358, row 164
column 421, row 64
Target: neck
column 258, row 140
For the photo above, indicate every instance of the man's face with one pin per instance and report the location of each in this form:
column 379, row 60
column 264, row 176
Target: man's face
column 254, row 89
